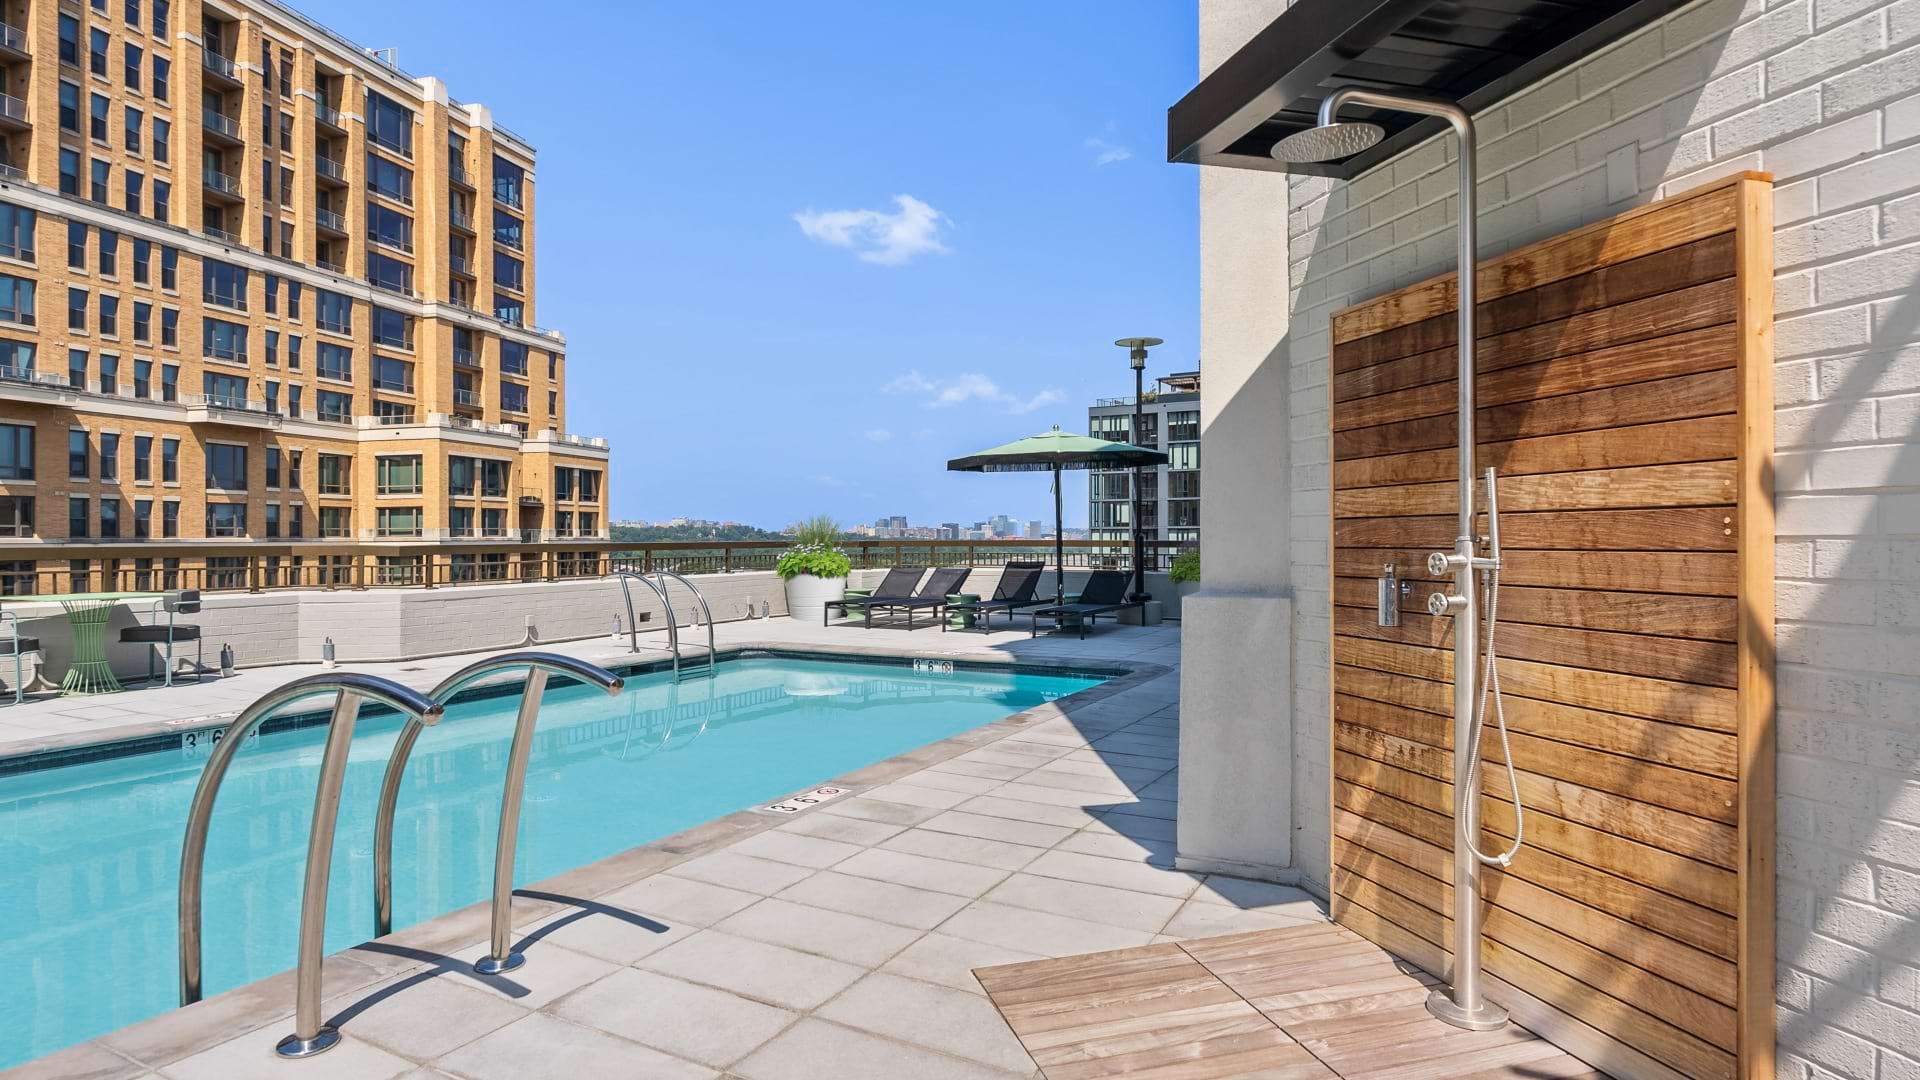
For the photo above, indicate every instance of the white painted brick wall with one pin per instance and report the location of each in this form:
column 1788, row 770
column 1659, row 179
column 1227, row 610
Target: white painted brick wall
column 1826, row 95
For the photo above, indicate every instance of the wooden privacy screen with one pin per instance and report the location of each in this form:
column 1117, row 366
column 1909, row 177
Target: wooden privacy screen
column 1625, row 398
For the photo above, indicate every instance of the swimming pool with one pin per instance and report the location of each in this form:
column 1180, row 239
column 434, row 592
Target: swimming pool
column 91, row 851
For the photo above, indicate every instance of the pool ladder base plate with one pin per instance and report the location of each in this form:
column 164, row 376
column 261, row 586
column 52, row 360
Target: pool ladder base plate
column 488, row 965
column 1487, row 1017
column 293, row 1046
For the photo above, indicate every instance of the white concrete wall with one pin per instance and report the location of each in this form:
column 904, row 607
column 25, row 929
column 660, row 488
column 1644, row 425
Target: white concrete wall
column 1826, row 95
column 1236, row 746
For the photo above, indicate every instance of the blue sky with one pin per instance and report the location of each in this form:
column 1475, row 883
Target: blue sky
column 805, row 253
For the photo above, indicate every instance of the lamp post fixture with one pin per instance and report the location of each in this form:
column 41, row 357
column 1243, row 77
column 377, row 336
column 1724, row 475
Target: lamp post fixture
column 1137, row 358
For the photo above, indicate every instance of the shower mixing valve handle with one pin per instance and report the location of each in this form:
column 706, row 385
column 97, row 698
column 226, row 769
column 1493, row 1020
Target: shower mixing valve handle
column 1445, row 604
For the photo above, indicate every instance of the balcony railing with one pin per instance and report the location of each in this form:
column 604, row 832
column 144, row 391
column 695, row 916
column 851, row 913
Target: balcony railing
column 12, row 108
column 465, row 358
column 221, row 235
column 458, row 174
column 460, row 266
column 222, row 123
column 327, row 115
column 398, row 386
column 225, row 183
column 327, row 219
column 460, row 220
column 11, row 172
column 468, row 398
column 34, row 378
column 326, row 264
column 455, row 563
column 219, row 65
column 12, row 37
column 399, row 419
column 330, row 169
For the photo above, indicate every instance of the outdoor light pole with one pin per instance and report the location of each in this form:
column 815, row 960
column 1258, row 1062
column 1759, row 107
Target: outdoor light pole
column 1137, row 357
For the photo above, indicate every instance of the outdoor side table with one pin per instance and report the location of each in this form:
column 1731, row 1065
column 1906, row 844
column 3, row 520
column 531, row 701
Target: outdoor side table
column 87, row 615
column 961, row 620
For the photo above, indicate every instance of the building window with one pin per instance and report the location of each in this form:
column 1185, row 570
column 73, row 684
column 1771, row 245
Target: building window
column 142, row 321
column 336, row 521
column 399, row 475
column 143, row 378
column 336, row 474
column 109, row 518
column 142, row 261
column 16, row 231
column 389, row 179
column 226, row 391
column 334, row 312
column 77, row 310
column 226, row 467
column 391, row 374
column 170, row 461
column 160, row 82
column 509, row 272
column 135, row 119
column 16, row 515
column 109, row 315
column 224, row 284
column 389, row 124
column 386, row 272
column 392, row 328
column 143, row 526
column 162, row 140
column 388, row 226
column 70, row 172
column 132, row 66
column 162, row 201
column 142, row 459
column 16, row 452
column 513, row 358
column 109, row 457
column 333, row 407
column 226, row 519
column 77, row 516
column 461, row 479
column 273, row 521
column 69, row 40
column 102, row 177
column 76, row 245
column 69, row 107
column 170, row 269
column 293, row 299
column 509, row 181
column 273, row 348
column 293, row 352
column 17, row 358
column 506, row 229
column 170, row 328
column 77, row 369
column 16, row 300
column 97, row 118
column 170, row 520
column 513, row 397
column 335, row 362
column 224, row 340
column 97, row 51
column 109, row 374
column 398, row 521
column 509, row 310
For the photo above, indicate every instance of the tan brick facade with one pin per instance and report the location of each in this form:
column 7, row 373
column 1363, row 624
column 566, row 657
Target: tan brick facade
column 258, row 245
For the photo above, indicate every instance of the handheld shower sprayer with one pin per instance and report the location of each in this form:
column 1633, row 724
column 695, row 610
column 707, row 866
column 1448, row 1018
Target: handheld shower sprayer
column 1441, row 564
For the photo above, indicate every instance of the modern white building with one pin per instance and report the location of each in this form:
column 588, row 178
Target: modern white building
column 1637, row 102
column 1170, row 493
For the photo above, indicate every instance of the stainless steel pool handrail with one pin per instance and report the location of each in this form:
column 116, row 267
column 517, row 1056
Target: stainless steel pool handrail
column 706, row 614
column 310, row 1034
column 633, row 624
column 500, row 956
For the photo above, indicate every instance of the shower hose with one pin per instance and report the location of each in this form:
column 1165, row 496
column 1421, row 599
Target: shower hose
column 1490, row 688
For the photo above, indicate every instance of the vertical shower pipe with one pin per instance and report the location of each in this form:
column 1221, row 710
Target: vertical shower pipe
column 1467, row 1007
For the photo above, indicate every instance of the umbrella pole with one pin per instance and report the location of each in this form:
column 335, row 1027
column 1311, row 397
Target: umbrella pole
column 1059, row 543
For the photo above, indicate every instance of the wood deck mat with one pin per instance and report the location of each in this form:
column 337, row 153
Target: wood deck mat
column 1301, row 1003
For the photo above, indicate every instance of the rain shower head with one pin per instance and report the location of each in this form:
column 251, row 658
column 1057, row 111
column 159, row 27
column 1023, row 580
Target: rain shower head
column 1328, row 142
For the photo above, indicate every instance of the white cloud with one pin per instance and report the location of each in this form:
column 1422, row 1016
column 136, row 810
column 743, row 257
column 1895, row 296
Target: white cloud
column 1106, row 153
column 879, row 434
column 879, row 236
column 947, row 393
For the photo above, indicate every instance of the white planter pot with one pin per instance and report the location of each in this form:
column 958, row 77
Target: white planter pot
column 807, row 596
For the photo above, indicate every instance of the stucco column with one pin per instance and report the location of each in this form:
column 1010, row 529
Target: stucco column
column 1236, row 733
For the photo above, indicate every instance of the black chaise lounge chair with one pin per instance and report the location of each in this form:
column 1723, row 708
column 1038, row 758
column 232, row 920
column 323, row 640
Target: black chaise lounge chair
column 1104, row 593
column 897, row 585
column 930, row 596
column 1017, row 585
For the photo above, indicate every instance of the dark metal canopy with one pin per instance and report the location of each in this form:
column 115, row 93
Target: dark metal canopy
column 1474, row 52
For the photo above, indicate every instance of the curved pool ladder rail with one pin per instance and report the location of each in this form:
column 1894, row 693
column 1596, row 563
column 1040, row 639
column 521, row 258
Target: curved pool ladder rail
column 500, row 957
column 310, row 1034
column 706, row 615
column 633, row 624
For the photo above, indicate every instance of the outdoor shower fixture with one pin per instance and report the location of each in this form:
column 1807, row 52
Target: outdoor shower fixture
column 1467, row 1006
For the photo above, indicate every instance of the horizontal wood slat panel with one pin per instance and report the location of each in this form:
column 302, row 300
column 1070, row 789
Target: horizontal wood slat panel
column 1706, row 618
column 1690, row 528
column 1703, row 573
column 1673, row 223
column 1700, row 483
column 1619, row 369
column 1711, row 438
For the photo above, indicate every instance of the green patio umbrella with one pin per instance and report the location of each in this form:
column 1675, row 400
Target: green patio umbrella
column 1052, row 451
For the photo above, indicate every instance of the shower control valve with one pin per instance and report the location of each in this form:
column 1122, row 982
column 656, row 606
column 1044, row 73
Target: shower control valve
column 1442, row 563
column 1444, row 603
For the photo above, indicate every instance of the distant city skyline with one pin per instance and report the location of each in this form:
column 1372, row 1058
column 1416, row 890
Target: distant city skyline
column 998, row 526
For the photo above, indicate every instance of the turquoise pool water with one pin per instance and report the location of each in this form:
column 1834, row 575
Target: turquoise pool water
column 91, row 852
